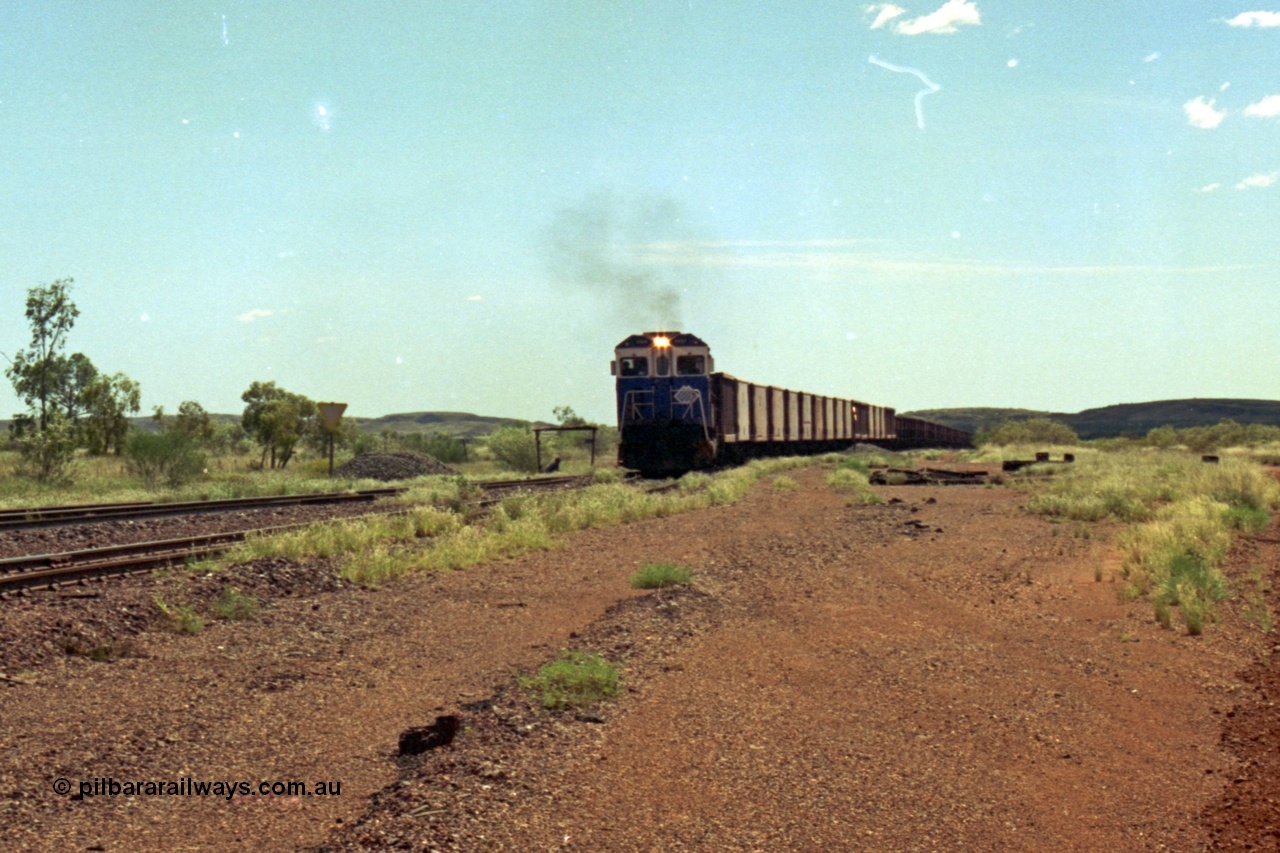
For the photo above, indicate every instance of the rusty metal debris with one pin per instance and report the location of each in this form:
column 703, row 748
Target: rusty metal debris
column 926, row 477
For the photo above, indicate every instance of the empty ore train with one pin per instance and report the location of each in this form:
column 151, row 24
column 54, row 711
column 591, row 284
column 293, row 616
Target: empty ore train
column 675, row 413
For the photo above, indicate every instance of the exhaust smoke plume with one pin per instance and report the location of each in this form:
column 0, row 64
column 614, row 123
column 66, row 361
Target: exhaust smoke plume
column 605, row 246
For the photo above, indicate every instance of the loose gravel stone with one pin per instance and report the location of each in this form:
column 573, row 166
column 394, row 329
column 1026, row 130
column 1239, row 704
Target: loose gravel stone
column 391, row 466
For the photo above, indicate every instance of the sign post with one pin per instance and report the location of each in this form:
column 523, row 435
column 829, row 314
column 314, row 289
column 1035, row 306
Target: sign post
column 330, row 416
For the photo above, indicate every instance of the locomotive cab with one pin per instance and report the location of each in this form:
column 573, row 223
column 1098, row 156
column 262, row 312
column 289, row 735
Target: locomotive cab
column 664, row 402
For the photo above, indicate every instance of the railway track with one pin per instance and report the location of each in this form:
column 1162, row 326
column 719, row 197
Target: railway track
column 54, row 570
column 27, row 518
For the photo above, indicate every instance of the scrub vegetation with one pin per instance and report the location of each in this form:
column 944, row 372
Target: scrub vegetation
column 850, row 478
column 1030, row 431
column 439, row 530
column 1182, row 514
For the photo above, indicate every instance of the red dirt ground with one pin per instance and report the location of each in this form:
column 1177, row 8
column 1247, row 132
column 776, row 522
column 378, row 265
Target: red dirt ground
column 914, row 676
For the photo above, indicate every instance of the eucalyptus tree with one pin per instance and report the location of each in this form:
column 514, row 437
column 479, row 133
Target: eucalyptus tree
column 40, row 373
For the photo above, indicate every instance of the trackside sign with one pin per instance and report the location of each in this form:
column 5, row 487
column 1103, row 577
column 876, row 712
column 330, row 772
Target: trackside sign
column 331, row 414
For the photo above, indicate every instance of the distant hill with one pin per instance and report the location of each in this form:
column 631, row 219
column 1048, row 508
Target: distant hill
column 971, row 420
column 1123, row 419
column 460, row 424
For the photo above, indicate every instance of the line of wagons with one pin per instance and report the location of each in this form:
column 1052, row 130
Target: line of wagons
column 676, row 414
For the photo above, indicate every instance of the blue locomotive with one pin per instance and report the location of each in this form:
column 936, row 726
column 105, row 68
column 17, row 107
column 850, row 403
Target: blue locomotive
column 676, row 414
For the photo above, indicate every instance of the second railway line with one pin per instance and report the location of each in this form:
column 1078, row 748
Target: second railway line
column 26, row 562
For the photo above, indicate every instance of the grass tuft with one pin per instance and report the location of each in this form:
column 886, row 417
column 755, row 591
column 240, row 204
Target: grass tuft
column 233, row 605
column 851, row 478
column 573, row 680
column 181, row 618
column 1246, row 518
column 660, row 575
column 784, row 484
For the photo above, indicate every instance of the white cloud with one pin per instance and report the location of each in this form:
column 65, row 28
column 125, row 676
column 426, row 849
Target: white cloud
column 1208, row 188
column 884, row 12
column 825, row 258
column 1202, row 114
column 1258, row 181
column 1268, row 107
column 943, row 21
column 1255, row 19
column 254, row 314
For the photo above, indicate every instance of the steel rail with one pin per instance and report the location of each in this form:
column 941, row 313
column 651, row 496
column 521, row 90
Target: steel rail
column 14, row 519
column 41, row 569
column 536, row 482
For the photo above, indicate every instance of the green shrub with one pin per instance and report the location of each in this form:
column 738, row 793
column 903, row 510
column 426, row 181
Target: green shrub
column 660, row 575
column 1030, row 431
column 514, row 449
column 1191, row 575
column 47, row 453
column 169, row 456
column 441, row 446
column 574, row 680
column 1246, row 518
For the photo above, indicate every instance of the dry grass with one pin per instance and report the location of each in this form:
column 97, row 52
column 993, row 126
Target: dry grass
column 1183, row 513
column 436, row 537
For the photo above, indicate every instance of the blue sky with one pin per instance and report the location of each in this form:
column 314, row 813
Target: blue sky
column 466, row 205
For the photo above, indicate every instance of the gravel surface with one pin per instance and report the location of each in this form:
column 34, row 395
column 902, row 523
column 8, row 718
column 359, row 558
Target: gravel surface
column 913, row 676
column 103, row 617
column 387, row 467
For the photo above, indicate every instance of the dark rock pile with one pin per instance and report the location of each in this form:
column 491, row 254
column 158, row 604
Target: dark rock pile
column 404, row 465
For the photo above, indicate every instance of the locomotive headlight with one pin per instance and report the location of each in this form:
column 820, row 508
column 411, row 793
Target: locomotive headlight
column 662, row 342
